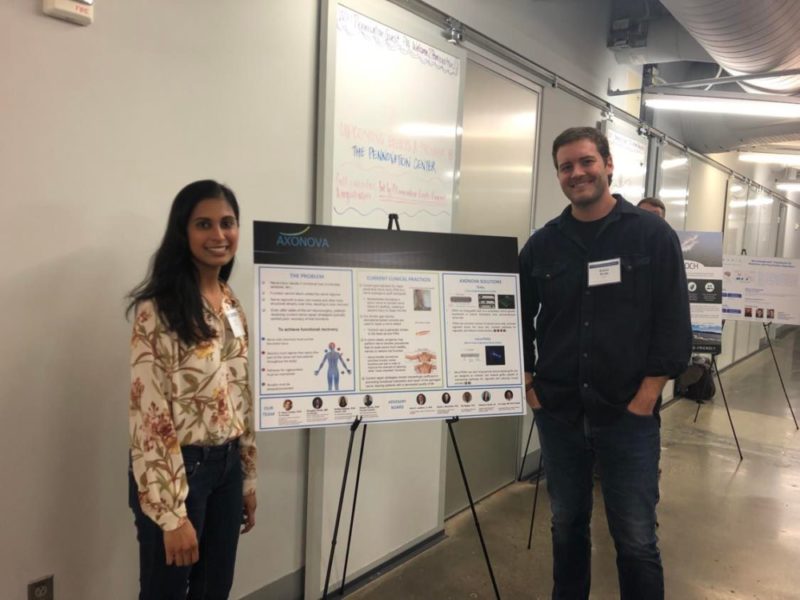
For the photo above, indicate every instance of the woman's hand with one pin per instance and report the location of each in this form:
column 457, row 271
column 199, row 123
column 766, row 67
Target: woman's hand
column 180, row 545
column 249, row 515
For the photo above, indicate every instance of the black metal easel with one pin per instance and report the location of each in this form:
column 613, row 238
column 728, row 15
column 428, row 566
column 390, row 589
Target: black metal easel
column 535, row 498
column 353, row 427
column 538, row 477
column 724, row 398
column 472, row 504
column 353, row 511
column 527, row 445
column 778, row 369
column 394, row 223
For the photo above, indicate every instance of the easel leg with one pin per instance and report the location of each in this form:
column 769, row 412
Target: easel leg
column 778, row 369
column 472, row 505
column 725, row 400
column 353, row 428
column 535, row 497
column 697, row 412
column 527, row 445
column 353, row 513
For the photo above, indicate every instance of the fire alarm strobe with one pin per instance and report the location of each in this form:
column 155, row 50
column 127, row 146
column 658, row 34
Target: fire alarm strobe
column 80, row 12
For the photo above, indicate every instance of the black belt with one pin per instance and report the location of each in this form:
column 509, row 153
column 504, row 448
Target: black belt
column 210, row 452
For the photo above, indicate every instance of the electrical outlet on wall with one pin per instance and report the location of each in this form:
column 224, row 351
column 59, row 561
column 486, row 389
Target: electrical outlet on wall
column 41, row 589
column 80, row 12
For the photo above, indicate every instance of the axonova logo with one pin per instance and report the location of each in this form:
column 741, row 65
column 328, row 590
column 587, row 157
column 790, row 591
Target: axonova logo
column 299, row 239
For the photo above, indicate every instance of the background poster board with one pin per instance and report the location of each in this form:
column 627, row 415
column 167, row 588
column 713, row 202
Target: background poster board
column 385, row 325
column 761, row 289
column 702, row 258
column 395, row 126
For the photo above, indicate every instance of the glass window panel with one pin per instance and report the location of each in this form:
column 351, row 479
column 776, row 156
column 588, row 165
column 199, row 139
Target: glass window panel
column 735, row 218
column 673, row 188
column 754, row 197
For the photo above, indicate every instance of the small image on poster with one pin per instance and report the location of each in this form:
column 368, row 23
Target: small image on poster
column 702, row 258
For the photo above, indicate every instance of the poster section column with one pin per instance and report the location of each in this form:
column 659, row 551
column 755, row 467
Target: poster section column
column 395, row 127
column 761, row 289
column 702, row 258
column 385, row 325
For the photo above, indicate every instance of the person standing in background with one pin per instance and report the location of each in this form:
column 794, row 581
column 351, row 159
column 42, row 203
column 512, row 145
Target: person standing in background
column 653, row 205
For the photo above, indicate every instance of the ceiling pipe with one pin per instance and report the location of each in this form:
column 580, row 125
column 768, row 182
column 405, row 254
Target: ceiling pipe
column 746, row 37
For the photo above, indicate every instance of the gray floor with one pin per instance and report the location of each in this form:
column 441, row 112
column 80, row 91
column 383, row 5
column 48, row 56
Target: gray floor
column 728, row 529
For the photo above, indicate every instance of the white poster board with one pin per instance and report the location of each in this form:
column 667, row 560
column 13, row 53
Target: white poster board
column 395, row 127
column 761, row 289
column 702, row 259
column 384, row 325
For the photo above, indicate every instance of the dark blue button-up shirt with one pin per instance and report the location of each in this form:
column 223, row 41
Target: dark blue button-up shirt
column 596, row 344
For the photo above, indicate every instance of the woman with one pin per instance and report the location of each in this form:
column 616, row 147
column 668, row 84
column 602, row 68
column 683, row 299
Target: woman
column 193, row 454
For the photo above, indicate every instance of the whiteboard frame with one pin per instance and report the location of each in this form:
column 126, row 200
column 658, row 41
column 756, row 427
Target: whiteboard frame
column 394, row 17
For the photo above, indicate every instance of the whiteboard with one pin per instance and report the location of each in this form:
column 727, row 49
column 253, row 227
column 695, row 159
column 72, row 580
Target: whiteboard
column 394, row 131
column 629, row 153
column 377, row 89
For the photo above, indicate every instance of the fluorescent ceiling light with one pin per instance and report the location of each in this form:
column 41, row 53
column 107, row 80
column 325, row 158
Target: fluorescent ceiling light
column 729, row 103
column 768, row 158
column 736, row 188
column 789, row 186
column 671, row 163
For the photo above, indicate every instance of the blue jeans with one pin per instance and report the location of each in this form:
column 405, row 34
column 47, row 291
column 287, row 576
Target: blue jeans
column 214, row 507
column 627, row 449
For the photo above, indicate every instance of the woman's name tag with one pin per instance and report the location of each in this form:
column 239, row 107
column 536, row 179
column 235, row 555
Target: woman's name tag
column 234, row 321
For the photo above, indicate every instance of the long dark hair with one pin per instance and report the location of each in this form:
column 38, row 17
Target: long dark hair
column 171, row 280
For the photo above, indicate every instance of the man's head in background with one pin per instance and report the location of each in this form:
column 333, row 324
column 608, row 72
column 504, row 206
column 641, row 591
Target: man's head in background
column 653, row 205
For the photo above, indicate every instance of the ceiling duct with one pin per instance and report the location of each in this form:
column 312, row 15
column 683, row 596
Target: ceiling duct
column 746, row 37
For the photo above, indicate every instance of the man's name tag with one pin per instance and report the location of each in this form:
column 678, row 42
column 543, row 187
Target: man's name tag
column 603, row 272
column 234, row 321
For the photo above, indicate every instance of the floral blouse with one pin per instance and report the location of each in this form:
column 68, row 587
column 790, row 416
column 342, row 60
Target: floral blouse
column 186, row 394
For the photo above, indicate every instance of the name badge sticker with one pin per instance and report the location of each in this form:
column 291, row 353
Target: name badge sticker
column 234, row 321
column 604, row 272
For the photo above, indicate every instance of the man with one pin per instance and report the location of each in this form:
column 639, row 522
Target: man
column 606, row 284
column 653, row 205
